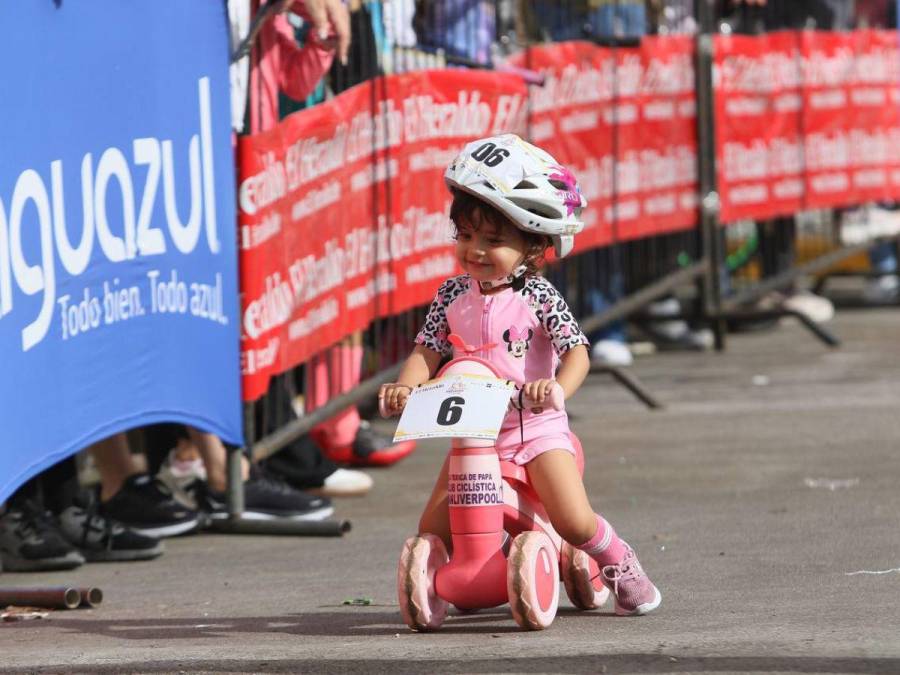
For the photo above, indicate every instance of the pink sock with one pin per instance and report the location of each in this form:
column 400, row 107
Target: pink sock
column 343, row 374
column 605, row 546
column 350, row 358
column 317, row 389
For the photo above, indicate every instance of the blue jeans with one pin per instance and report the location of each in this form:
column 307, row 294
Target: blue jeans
column 619, row 20
column 622, row 19
column 883, row 258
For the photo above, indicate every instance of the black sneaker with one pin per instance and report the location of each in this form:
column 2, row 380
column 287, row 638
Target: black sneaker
column 147, row 507
column 101, row 539
column 31, row 542
column 265, row 498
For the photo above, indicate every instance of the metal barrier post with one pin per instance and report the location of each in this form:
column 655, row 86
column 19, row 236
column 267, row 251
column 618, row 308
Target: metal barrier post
column 234, row 473
column 710, row 241
column 237, row 524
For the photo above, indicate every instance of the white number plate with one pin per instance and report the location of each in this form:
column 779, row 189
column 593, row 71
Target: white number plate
column 456, row 406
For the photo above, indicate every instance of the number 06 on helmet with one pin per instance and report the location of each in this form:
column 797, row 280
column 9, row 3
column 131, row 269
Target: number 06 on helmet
column 523, row 182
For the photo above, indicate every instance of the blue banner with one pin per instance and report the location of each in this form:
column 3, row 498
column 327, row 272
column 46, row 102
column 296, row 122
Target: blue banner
column 118, row 262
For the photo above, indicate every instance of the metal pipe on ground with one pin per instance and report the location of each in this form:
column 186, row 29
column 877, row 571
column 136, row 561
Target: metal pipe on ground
column 90, row 596
column 56, row 597
column 283, row 526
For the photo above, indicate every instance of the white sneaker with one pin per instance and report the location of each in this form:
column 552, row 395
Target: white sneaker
column 855, row 227
column 611, row 353
column 345, row 483
column 884, row 222
column 883, row 290
column 815, row 307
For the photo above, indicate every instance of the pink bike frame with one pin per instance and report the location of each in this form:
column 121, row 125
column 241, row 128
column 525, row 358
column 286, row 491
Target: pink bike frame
column 486, row 497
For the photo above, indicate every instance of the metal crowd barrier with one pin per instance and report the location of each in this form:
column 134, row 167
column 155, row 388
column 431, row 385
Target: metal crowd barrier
column 693, row 263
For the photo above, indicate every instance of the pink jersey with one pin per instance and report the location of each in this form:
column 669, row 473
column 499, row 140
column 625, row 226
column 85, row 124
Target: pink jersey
column 530, row 328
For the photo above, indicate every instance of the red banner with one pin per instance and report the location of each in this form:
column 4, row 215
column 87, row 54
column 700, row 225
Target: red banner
column 805, row 120
column 850, row 120
column 632, row 108
column 758, row 103
column 343, row 209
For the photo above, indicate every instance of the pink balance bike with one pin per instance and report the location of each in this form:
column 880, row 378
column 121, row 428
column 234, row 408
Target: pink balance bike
column 490, row 499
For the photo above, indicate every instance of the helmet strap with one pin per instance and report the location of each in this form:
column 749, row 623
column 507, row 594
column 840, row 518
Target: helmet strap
column 509, row 279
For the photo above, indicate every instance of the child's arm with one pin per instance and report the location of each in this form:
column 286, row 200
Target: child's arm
column 418, row 368
column 574, row 367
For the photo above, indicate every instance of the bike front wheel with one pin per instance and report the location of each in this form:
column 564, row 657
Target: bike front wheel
column 422, row 608
column 532, row 580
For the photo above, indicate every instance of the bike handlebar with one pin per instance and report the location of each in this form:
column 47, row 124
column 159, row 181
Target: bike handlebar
column 556, row 400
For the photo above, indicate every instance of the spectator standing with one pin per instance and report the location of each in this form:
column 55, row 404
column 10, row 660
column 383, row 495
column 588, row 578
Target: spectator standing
column 278, row 63
column 463, row 29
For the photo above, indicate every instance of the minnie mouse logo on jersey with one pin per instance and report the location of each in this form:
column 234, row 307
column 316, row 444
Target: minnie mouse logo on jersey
column 517, row 341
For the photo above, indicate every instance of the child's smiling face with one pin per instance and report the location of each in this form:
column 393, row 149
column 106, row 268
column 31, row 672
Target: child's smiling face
column 488, row 251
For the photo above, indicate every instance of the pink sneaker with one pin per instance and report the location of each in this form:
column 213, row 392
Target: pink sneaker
column 630, row 586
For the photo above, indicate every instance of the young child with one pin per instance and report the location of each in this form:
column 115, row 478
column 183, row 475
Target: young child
column 511, row 201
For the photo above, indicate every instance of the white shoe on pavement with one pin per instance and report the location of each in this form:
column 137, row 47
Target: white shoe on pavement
column 814, row 306
column 345, row 483
column 611, row 353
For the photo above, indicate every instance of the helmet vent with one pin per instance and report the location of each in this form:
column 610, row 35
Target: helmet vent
column 525, row 185
column 538, row 209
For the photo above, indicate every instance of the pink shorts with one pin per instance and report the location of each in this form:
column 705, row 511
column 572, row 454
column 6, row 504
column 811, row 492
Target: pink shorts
column 547, row 431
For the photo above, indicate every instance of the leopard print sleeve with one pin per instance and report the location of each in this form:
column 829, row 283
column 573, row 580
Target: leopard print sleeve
column 435, row 330
column 554, row 315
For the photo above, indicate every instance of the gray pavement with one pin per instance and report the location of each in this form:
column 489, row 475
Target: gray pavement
column 763, row 501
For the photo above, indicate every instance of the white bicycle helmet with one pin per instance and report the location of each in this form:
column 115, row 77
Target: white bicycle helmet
column 523, row 182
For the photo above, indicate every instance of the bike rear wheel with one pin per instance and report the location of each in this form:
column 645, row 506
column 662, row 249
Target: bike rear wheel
column 582, row 579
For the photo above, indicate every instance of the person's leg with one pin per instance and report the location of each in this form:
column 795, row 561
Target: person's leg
column 164, row 442
column 134, row 498
column 346, row 438
column 609, row 343
column 30, row 540
column 304, row 464
column 265, row 497
column 435, row 518
column 885, row 287
column 59, row 485
column 557, row 481
column 215, row 457
column 114, row 464
column 343, row 373
column 97, row 538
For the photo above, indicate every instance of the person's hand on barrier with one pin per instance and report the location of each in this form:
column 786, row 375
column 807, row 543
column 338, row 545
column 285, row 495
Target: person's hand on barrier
column 331, row 21
column 392, row 398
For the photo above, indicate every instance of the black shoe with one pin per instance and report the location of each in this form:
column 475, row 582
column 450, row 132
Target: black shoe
column 265, row 498
column 31, row 542
column 147, row 507
column 101, row 539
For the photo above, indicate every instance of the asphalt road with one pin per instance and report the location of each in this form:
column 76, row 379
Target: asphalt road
column 763, row 500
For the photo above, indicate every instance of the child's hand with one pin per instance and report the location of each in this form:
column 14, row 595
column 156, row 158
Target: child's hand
column 538, row 390
column 392, row 398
